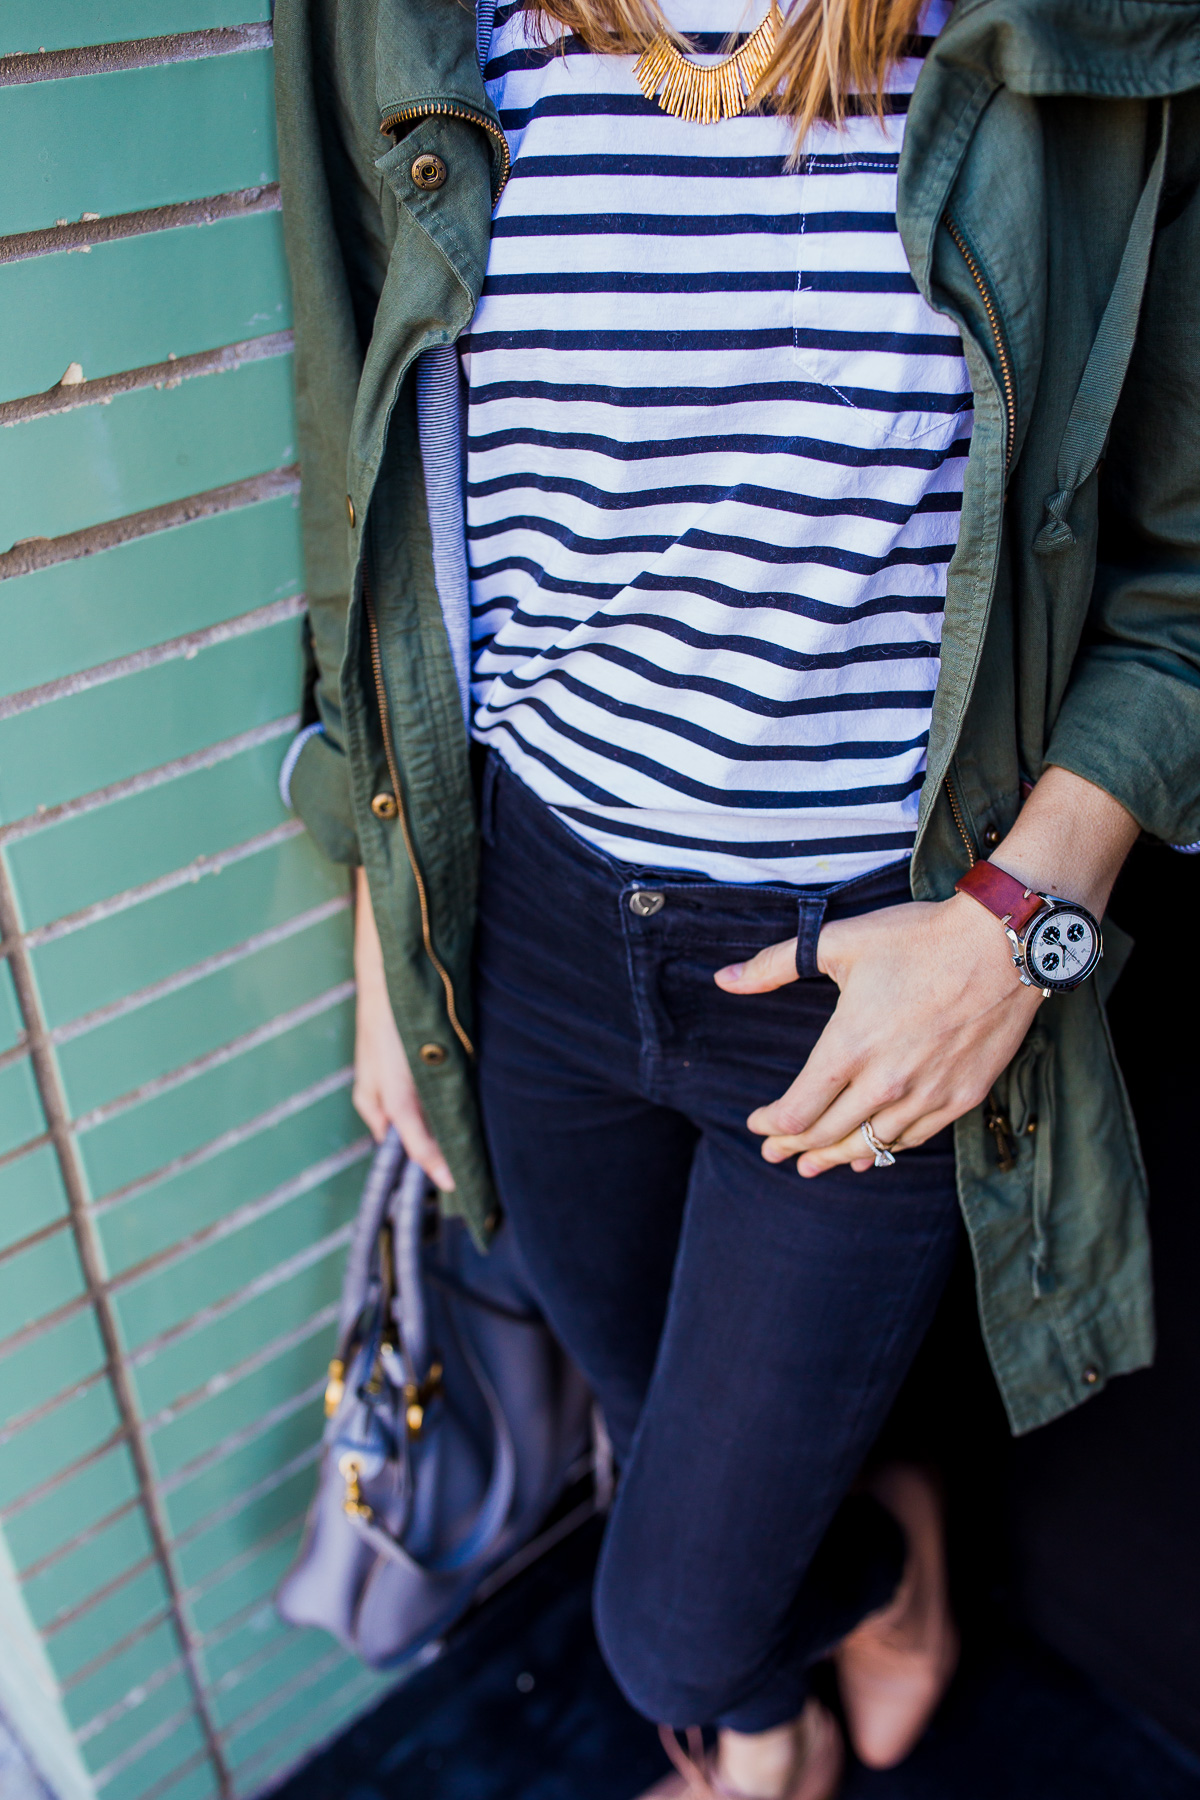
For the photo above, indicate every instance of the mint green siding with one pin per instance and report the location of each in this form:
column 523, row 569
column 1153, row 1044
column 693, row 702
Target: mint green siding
column 179, row 1159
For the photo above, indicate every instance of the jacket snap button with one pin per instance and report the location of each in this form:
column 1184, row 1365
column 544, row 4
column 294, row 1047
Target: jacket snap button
column 991, row 837
column 1091, row 1375
column 428, row 171
column 384, row 806
column 350, row 513
column 646, row 901
column 433, row 1054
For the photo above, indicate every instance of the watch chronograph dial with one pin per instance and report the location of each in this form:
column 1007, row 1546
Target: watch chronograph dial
column 1062, row 948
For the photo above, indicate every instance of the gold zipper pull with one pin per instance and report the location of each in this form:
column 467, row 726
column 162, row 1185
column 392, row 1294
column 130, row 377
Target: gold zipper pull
column 1002, row 1134
column 349, row 1469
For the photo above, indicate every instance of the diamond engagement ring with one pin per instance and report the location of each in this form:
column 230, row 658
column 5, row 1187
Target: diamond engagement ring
column 883, row 1155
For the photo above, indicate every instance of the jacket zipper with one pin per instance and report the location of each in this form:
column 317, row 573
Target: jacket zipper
column 997, row 1122
column 958, row 820
column 426, row 109
column 1006, row 374
column 402, row 817
column 1010, row 433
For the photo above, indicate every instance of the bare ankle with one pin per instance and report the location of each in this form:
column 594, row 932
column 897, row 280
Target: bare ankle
column 759, row 1764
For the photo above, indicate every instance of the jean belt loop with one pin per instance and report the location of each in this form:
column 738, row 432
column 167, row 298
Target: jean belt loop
column 811, row 919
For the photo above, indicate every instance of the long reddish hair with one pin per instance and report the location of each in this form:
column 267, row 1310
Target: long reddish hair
column 827, row 50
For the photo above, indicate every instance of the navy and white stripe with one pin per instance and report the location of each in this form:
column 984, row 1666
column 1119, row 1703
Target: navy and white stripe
column 716, row 443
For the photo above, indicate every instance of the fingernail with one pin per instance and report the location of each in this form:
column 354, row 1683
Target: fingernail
column 732, row 972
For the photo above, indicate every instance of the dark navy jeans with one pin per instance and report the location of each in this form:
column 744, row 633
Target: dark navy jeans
column 745, row 1330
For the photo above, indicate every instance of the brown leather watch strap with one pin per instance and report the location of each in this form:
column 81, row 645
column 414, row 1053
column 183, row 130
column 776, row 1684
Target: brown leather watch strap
column 1010, row 900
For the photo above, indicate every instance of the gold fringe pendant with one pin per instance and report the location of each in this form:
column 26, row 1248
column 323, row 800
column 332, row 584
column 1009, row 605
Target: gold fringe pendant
column 704, row 95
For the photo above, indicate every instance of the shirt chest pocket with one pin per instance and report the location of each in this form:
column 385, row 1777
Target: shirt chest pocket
column 866, row 344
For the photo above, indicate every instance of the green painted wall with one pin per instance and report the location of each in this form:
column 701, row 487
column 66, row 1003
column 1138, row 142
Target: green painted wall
column 179, row 1159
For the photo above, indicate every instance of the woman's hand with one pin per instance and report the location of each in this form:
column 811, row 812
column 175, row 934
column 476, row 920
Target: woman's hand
column 384, row 1092
column 930, row 1011
column 931, row 1008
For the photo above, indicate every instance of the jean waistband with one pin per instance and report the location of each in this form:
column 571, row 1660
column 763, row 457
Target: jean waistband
column 888, row 886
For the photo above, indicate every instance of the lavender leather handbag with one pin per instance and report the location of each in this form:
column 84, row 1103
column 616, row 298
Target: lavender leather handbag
column 454, row 1420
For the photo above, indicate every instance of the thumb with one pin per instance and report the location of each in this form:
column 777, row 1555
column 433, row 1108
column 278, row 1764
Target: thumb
column 773, row 967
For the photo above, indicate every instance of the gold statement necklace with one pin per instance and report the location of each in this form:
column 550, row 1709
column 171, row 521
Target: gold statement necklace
column 700, row 94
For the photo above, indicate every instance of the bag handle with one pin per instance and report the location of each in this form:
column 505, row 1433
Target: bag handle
column 377, row 1193
column 1091, row 415
column 405, row 1193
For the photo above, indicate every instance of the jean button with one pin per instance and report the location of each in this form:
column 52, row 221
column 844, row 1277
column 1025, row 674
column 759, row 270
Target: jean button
column 645, row 902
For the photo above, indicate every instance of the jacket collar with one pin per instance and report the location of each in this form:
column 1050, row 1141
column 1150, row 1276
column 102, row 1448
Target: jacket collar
column 1101, row 49
column 1114, row 49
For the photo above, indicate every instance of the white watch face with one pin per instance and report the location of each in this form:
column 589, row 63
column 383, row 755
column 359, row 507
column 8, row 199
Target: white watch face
column 1062, row 948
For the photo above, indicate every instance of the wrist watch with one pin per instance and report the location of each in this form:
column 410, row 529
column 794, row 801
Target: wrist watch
column 1056, row 943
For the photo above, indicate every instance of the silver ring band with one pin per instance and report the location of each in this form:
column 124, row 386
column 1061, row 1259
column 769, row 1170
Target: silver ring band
column 883, row 1156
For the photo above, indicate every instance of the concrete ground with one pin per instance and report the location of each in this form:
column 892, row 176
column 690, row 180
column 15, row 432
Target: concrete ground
column 522, row 1708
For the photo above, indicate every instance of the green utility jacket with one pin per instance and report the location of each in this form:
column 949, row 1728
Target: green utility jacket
column 1049, row 202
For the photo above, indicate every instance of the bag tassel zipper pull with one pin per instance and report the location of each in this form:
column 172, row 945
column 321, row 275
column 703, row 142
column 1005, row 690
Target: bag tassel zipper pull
column 353, row 1504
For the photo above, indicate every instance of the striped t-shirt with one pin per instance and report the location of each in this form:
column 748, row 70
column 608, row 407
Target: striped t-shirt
column 716, row 443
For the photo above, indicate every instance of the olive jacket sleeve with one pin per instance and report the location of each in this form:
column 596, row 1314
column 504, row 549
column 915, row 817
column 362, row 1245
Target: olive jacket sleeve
column 1130, row 718
column 337, row 233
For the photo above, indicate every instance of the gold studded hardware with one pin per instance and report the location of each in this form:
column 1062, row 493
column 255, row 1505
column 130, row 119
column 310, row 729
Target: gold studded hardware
column 706, row 93
column 335, row 1387
column 350, row 512
column 433, row 1054
column 384, row 806
column 417, row 1396
column 428, row 172
column 349, row 1468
